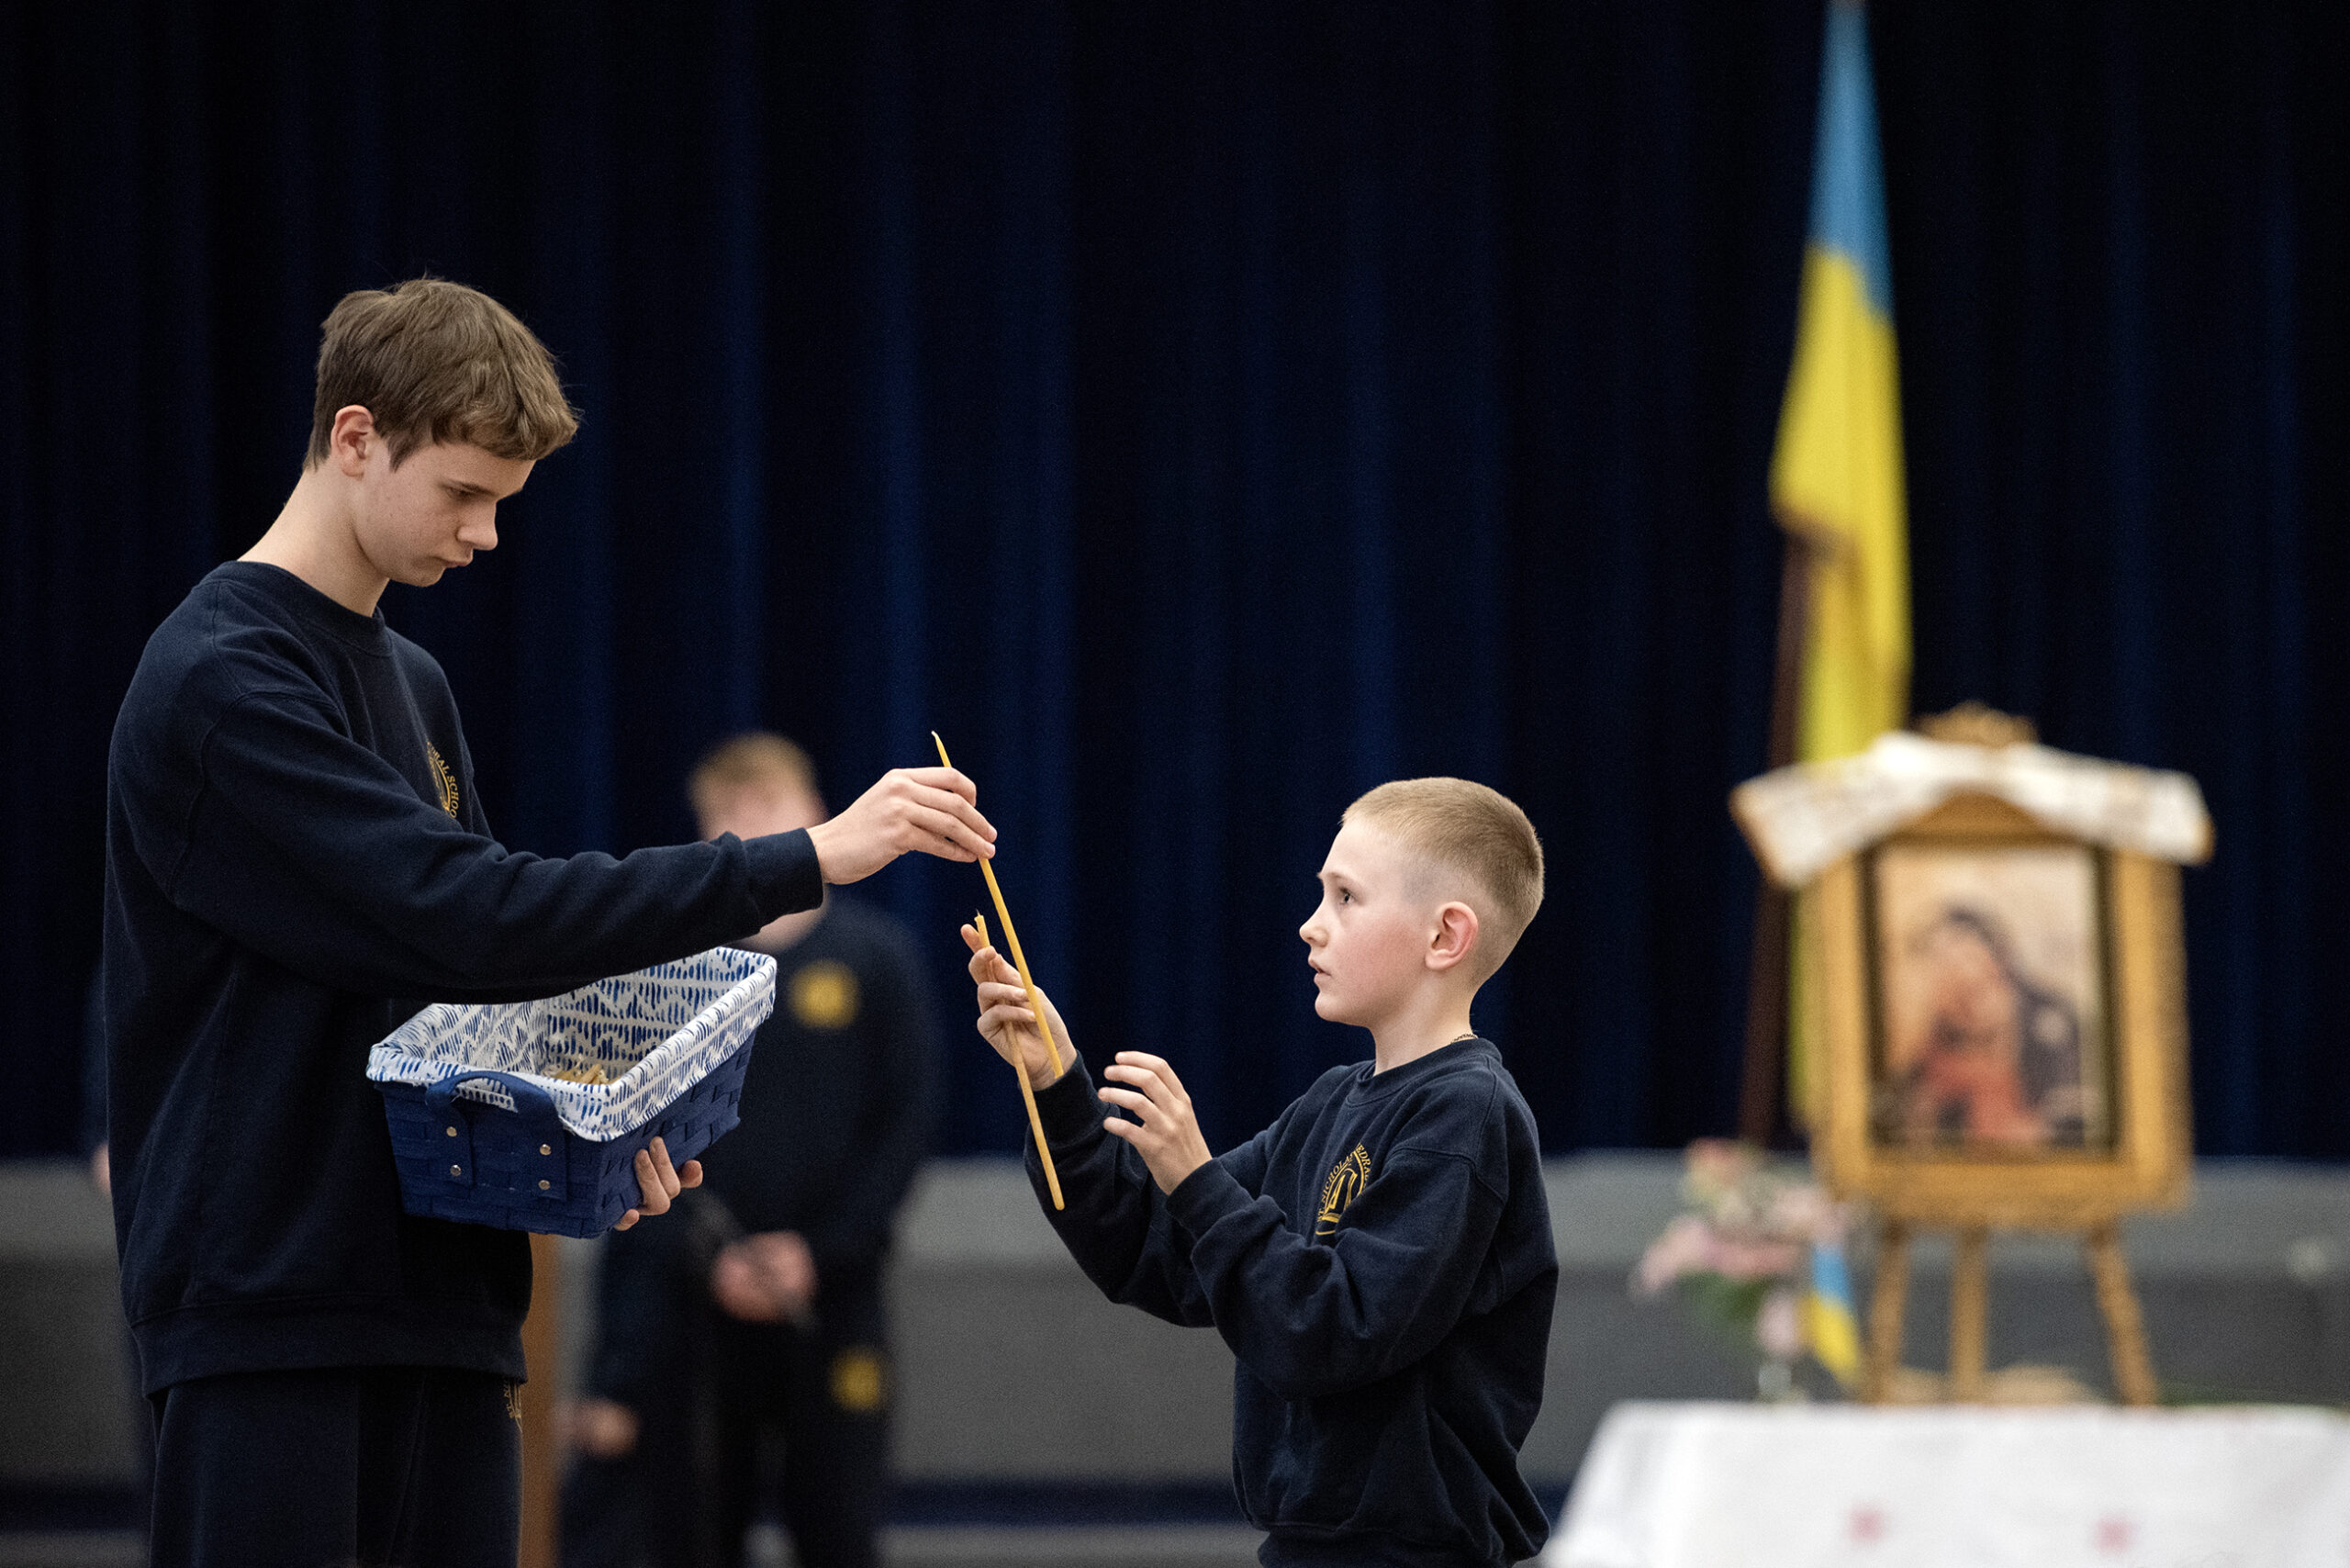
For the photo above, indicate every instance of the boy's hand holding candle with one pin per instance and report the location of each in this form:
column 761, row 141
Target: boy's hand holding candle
column 1006, row 1020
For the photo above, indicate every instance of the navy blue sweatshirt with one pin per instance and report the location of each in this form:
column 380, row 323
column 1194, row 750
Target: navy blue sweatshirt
column 296, row 859
column 1380, row 1261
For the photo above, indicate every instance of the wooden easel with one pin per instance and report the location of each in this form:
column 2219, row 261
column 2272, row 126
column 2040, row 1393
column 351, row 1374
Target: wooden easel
column 2065, row 1192
column 2141, row 1159
column 2125, row 1330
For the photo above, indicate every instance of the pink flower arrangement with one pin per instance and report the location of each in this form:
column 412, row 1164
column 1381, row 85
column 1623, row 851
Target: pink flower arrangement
column 1741, row 1251
column 1693, row 1244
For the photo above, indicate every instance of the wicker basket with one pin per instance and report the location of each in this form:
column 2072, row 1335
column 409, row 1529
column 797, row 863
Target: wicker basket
column 497, row 1117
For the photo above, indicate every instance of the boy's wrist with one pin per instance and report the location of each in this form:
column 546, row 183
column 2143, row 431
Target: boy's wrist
column 787, row 876
column 1067, row 1105
column 1203, row 1195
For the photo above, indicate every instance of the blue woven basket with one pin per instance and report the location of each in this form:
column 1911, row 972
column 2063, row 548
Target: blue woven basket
column 481, row 1132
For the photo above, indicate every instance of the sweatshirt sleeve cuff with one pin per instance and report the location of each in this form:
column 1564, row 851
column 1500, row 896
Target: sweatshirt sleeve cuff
column 784, row 876
column 1068, row 1108
column 1205, row 1196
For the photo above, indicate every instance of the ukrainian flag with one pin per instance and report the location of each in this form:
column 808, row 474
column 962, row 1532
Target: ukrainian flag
column 1836, row 476
column 1830, row 1326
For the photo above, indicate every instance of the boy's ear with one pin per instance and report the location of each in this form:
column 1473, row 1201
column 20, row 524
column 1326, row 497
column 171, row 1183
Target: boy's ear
column 1455, row 938
column 347, row 446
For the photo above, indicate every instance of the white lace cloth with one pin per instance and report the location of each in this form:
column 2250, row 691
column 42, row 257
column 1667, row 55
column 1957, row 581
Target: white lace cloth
column 1804, row 819
column 1700, row 1486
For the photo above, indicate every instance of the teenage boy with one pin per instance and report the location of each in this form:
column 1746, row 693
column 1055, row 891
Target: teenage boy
column 297, row 857
column 1380, row 1258
column 784, row 1330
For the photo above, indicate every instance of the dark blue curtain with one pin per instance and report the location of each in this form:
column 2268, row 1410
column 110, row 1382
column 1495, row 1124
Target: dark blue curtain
column 1199, row 413
column 2118, row 236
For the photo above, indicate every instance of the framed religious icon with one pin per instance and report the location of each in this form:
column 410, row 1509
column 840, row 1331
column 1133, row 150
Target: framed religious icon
column 2002, row 1012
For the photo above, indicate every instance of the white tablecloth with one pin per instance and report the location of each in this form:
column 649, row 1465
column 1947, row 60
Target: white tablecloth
column 1710, row 1485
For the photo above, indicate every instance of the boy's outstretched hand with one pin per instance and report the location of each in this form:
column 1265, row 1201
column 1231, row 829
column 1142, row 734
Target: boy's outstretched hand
column 1168, row 1135
column 1006, row 1021
column 935, row 810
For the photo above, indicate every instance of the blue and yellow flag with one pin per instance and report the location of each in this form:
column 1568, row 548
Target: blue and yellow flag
column 1831, row 1327
column 1836, row 476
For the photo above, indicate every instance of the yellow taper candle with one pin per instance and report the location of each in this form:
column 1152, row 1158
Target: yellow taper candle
column 1028, row 1094
column 1019, row 959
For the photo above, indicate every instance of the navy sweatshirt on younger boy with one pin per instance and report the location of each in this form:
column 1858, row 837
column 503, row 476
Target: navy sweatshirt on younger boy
column 1380, row 1261
column 296, row 859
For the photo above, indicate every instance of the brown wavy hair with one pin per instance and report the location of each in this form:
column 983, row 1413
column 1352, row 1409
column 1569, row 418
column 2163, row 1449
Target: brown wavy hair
column 434, row 361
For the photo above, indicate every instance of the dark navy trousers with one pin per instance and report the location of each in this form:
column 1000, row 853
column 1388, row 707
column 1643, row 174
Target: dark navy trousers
column 376, row 1467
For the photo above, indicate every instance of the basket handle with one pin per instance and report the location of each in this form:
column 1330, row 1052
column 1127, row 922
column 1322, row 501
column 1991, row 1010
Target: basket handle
column 529, row 1100
column 546, row 1175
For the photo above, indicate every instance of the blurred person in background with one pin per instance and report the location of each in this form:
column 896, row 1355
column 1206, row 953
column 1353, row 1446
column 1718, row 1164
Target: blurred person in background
column 742, row 1359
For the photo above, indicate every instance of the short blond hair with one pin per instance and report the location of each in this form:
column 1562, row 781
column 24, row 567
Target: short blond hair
column 756, row 758
column 434, row 361
column 1478, row 832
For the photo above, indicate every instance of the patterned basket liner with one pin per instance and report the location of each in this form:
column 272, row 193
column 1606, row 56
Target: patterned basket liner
column 654, row 1032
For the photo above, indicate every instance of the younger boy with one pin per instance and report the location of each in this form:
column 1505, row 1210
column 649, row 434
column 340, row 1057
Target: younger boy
column 1380, row 1258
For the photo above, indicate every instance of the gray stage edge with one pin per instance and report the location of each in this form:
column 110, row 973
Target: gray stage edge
column 1011, row 1369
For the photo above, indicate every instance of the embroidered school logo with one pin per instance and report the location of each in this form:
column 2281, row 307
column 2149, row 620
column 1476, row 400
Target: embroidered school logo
column 860, row 1382
column 443, row 780
column 1344, row 1185
column 514, row 1403
column 823, row 996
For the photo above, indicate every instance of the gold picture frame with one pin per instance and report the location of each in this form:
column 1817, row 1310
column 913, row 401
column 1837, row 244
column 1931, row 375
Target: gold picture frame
column 2115, row 1009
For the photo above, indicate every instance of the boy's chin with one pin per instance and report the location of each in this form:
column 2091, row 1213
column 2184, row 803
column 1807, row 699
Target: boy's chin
column 1330, row 1010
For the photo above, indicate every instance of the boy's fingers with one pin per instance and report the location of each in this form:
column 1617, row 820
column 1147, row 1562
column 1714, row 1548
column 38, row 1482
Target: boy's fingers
column 944, row 778
column 1139, row 1105
column 657, row 1181
column 948, row 837
column 1162, row 1070
column 1148, row 1082
column 945, row 790
column 625, row 1220
column 988, row 967
column 1159, row 1065
column 986, row 961
column 691, row 1175
column 948, row 801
